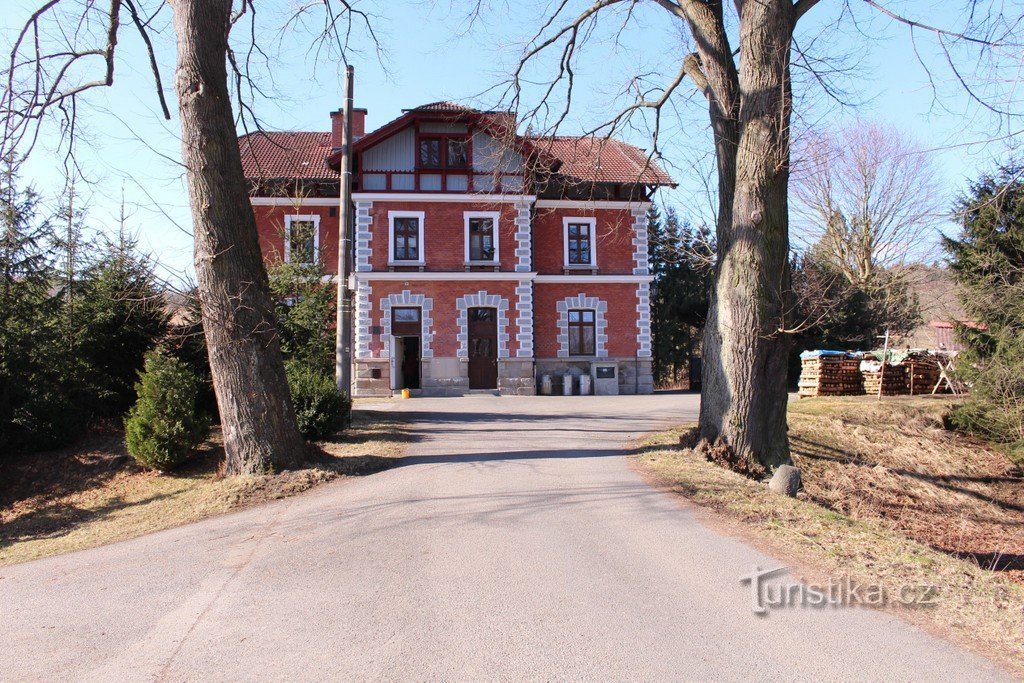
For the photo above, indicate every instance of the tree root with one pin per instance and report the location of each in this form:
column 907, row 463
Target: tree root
column 722, row 454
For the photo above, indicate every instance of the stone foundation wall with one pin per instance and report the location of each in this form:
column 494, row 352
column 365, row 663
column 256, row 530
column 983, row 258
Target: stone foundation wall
column 365, row 382
column 515, row 377
column 445, row 376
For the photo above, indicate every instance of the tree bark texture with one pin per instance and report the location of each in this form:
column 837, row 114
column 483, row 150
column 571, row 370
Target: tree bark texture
column 743, row 406
column 258, row 421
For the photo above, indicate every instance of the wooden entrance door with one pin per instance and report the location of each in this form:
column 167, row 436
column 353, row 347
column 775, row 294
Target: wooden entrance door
column 483, row 348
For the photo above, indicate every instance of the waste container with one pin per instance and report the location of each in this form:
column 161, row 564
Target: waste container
column 567, row 385
column 584, row 385
column 545, row 385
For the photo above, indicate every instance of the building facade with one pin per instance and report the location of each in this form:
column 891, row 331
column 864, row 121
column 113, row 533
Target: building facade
column 480, row 259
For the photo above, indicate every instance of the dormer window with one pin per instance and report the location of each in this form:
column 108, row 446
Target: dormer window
column 443, row 152
column 430, row 152
column 458, row 153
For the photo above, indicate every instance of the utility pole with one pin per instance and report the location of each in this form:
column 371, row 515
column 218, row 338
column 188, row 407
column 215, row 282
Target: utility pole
column 885, row 357
column 343, row 334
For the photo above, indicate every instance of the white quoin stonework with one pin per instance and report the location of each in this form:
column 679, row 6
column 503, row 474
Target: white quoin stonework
column 524, row 318
column 363, row 320
column 482, row 300
column 640, row 235
column 582, row 302
column 643, row 320
column 523, row 237
column 407, row 298
column 363, row 223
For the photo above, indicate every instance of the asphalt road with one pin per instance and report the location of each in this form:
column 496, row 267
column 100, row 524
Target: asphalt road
column 514, row 543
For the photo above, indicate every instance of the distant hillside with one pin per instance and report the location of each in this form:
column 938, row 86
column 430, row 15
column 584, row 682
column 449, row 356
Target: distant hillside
column 936, row 293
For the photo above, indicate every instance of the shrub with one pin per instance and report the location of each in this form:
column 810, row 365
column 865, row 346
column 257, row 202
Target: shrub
column 164, row 427
column 320, row 408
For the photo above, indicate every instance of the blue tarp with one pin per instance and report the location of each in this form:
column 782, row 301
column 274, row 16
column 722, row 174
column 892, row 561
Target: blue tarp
column 824, row 352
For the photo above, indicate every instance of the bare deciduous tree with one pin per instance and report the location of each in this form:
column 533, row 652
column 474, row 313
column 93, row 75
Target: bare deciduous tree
column 58, row 44
column 741, row 60
column 868, row 199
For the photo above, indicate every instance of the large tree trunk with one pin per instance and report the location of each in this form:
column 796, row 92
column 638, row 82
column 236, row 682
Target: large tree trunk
column 743, row 407
column 260, row 431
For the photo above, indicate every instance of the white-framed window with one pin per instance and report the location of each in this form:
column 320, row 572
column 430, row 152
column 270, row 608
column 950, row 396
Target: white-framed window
column 302, row 239
column 579, row 242
column 405, row 237
column 481, row 231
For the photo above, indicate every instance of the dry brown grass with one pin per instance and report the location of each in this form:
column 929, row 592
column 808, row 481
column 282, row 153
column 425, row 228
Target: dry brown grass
column 95, row 493
column 892, row 461
column 847, row 521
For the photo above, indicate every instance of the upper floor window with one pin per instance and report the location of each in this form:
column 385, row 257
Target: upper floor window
column 443, row 152
column 580, row 249
column 481, row 236
column 406, row 237
column 582, row 333
column 301, row 239
column 458, row 153
column 430, row 152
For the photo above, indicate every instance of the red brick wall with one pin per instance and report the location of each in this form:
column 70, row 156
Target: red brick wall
column 621, row 315
column 614, row 239
column 445, row 316
column 270, row 225
column 444, row 230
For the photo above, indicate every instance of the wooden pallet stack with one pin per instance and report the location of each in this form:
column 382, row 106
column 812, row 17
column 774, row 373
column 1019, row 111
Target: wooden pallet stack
column 829, row 374
column 893, row 381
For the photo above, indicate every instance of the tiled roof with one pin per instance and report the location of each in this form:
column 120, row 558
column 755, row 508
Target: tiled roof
column 293, row 154
column 303, row 155
column 601, row 160
column 443, row 105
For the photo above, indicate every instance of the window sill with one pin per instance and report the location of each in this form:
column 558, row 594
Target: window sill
column 579, row 266
column 481, row 263
column 406, row 263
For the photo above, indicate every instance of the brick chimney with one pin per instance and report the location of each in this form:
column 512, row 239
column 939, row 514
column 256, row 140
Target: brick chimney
column 358, row 125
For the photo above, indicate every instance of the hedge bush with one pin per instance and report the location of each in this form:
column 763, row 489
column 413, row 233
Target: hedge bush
column 320, row 408
column 164, row 427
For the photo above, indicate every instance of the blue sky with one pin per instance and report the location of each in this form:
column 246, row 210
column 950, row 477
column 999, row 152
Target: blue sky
column 433, row 52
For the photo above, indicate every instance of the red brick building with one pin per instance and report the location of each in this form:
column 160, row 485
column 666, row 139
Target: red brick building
column 481, row 259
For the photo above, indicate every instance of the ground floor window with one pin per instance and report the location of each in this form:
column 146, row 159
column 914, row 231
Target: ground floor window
column 582, row 333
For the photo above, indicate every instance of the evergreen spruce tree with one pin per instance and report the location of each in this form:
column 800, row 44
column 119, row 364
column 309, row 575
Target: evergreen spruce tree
column 34, row 408
column 987, row 262
column 122, row 314
column 680, row 259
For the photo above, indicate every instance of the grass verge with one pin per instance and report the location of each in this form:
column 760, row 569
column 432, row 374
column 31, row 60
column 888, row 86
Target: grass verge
column 869, row 488
column 94, row 493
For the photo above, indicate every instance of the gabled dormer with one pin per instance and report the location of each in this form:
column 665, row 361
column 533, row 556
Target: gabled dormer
column 442, row 147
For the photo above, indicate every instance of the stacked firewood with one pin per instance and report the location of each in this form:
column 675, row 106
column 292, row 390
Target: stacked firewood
column 829, row 374
column 893, row 381
column 922, row 372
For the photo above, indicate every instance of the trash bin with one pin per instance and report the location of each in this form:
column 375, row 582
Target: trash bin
column 566, row 385
column 584, row 385
column 545, row 385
